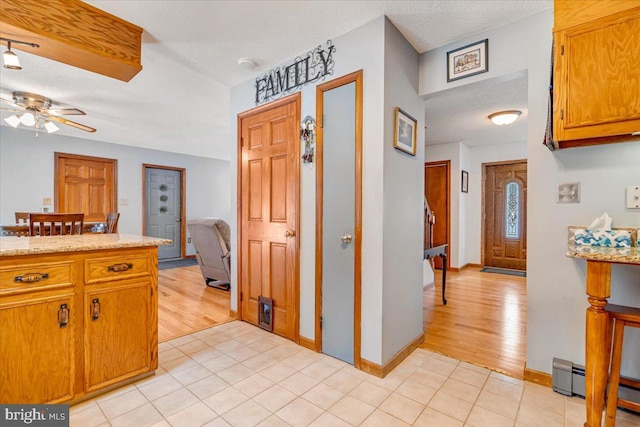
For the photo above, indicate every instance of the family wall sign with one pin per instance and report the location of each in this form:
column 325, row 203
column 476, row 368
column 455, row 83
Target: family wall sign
column 315, row 65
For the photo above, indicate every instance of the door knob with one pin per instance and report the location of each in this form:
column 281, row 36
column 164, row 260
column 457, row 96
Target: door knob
column 289, row 233
column 346, row 238
column 177, row 219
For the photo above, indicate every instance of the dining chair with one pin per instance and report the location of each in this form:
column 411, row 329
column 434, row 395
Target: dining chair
column 112, row 222
column 52, row 224
column 24, row 216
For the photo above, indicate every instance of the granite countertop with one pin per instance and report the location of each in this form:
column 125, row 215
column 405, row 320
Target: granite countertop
column 10, row 246
column 599, row 253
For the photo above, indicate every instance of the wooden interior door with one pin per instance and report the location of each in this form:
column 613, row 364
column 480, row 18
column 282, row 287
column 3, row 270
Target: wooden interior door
column 437, row 190
column 86, row 185
column 268, row 213
column 505, row 215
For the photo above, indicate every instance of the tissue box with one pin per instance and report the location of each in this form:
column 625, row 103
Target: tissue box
column 606, row 238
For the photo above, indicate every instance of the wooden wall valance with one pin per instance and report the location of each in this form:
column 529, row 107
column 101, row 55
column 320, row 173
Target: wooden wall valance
column 74, row 33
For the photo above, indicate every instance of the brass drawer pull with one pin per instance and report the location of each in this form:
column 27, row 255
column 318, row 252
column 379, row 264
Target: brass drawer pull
column 120, row 267
column 31, row 277
column 63, row 315
column 95, row 308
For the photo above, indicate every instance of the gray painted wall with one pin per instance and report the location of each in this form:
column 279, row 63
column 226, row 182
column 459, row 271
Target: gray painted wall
column 392, row 190
column 27, row 164
column 362, row 48
column 556, row 299
column 403, row 200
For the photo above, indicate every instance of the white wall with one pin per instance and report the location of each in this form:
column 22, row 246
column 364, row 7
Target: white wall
column 556, row 299
column 362, row 48
column 27, row 164
column 473, row 214
column 403, row 201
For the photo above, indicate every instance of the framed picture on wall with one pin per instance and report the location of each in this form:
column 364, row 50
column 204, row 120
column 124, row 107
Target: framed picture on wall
column 404, row 135
column 468, row 60
column 464, row 186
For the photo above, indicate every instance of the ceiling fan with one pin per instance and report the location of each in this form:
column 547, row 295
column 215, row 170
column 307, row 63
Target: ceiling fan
column 36, row 110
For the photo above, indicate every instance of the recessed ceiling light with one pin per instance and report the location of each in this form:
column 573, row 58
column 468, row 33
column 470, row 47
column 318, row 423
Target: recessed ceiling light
column 503, row 118
column 247, row 63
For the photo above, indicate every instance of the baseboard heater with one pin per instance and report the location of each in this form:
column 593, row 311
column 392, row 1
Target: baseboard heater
column 568, row 379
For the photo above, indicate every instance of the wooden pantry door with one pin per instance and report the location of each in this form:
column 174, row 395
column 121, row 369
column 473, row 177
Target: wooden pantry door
column 268, row 212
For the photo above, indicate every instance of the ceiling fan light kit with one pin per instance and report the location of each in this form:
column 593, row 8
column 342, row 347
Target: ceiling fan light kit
column 10, row 58
column 37, row 112
column 503, row 118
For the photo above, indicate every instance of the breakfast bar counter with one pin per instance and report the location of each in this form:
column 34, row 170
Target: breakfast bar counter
column 78, row 315
column 598, row 334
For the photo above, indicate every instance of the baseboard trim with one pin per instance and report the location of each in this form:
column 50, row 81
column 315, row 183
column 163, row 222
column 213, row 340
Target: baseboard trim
column 233, row 314
column 459, row 269
column 428, row 286
column 307, row 343
column 537, row 377
column 382, row 371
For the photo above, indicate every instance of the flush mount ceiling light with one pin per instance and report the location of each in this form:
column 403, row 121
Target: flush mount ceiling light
column 247, row 63
column 503, row 118
column 9, row 57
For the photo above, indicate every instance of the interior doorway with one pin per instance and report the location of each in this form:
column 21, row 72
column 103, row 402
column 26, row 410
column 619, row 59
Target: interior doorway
column 268, row 216
column 504, row 215
column 164, row 207
column 437, row 190
column 339, row 217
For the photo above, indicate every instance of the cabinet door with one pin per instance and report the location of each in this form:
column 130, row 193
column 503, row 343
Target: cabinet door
column 37, row 348
column 597, row 78
column 118, row 332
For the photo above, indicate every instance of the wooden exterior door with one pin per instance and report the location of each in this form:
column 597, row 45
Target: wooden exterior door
column 437, row 190
column 269, row 165
column 505, row 215
column 86, row 185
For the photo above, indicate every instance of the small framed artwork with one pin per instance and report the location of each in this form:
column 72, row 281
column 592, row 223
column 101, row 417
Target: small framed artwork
column 265, row 313
column 464, row 183
column 569, row 192
column 468, row 61
column 404, row 135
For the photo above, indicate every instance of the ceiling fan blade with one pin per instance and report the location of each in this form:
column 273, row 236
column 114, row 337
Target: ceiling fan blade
column 66, row 112
column 13, row 104
column 72, row 124
column 11, row 109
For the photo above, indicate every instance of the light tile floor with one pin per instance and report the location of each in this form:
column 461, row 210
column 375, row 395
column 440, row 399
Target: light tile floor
column 238, row 375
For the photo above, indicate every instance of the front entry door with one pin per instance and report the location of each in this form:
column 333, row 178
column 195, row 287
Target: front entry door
column 505, row 215
column 268, row 215
column 162, row 203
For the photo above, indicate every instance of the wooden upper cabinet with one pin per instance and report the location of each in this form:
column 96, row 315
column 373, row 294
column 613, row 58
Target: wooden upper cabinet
column 596, row 72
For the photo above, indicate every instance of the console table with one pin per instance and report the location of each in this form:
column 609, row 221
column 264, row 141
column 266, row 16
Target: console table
column 441, row 251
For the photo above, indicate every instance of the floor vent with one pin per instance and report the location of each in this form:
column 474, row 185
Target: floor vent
column 568, row 379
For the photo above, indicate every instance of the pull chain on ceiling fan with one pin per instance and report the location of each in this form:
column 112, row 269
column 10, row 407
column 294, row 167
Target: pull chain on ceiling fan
column 37, row 112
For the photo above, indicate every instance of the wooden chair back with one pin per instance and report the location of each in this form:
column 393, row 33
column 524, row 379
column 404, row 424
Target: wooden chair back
column 52, row 224
column 112, row 222
column 24, row 216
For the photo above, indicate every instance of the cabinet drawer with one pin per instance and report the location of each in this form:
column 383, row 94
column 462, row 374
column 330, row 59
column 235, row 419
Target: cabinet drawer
column 21, row 277
column 124, row 266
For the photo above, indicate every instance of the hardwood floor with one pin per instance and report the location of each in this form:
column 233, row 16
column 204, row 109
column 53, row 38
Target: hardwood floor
column 484, row 321
column 186, row 305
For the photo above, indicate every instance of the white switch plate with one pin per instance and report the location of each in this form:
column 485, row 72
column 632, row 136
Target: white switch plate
column 124, row 202
column 633, row 197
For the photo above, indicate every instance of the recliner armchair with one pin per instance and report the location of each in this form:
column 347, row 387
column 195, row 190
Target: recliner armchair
column 212, row 240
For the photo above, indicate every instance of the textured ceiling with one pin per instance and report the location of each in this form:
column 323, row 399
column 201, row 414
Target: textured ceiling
column 462, row 115
column 180, row 101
